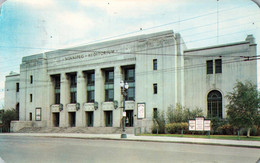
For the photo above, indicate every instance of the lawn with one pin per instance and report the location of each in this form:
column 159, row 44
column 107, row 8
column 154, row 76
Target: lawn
column 225, row 137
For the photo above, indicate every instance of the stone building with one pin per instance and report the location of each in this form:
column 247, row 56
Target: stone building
column 80, row 86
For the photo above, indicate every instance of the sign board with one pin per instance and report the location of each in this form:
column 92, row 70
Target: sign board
column 199, row 123
column 192, row 125
column 141, row 110
column 207, row 125
column 38, row 112
column 124, row 114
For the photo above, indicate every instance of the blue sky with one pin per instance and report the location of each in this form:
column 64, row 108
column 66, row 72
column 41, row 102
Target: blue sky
column 28, row 26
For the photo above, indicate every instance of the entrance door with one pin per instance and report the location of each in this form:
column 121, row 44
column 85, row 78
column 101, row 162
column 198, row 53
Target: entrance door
column 72, row 119
column 108, row 118
column 129, row 118
column 89, row 118
column 56, row 119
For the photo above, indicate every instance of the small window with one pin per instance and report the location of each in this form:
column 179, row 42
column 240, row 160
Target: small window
column 218, row 66
column 210, row 67
column 155, row 113
column 155, row 64
column 31, row 97
column 155, row 88
column 30, row 116
column 38, row 112
column 17, row 87
column 31, row 79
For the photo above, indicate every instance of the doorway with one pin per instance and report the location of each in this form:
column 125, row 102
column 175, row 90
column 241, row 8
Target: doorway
column 56, row 119
column 72, row 119
column 108, row 118
column 129, row 118
column 89, row 118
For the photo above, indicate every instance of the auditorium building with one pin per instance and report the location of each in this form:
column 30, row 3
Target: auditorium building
column 80, row 86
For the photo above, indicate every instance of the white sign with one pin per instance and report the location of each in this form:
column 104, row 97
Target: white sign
column 124, row 114
column 207, row 125
column 141, row 110
column 192, row 125
column 199, row 124
column 38, row 114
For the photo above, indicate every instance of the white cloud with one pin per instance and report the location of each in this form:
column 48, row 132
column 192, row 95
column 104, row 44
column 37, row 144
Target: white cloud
column 36, row 3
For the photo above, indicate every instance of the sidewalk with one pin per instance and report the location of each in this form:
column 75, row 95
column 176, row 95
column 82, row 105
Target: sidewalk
column 131, row 137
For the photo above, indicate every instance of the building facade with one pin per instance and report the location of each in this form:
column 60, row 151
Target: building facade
column 80, row 86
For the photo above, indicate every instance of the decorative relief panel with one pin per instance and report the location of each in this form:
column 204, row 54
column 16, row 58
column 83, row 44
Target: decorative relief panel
column 129, row 105
column 107, row 106
column 71, row 107
column 55, row 108
column 88, row 106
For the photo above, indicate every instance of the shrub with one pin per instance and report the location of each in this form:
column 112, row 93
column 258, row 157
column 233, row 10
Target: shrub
column 158, row 123
column 8, row 116
column 182, row 114
column 176, row 128
column 226, row 129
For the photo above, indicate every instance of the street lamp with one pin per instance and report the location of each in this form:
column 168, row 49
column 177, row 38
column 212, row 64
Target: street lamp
column 124, row 88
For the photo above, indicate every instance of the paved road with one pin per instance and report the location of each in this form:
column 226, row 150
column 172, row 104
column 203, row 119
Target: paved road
column 40, row 149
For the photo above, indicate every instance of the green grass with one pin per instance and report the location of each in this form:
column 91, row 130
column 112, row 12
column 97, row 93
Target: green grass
column 225, row 137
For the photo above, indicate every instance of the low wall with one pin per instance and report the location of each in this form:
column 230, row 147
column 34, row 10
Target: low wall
column 18, row 125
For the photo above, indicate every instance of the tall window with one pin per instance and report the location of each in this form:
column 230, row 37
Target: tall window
column 214, row 104
column 155, row 88
column 210, row 67
column 31, row 79
column 17, row 87
column 31, row 97
column 57, row 89
column 109, row 85
column 218, row 66
column 155, row 113
column 91, row 87
column 155, row 64
column 73, row 88
column 130, row 79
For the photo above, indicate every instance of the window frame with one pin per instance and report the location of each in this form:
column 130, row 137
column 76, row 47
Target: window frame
column 218, row 66
column 109, row 85
column 155, row 64
column 155, row 88
column 209, row 66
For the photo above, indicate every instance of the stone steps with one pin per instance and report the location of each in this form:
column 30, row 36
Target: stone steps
column 87, row 130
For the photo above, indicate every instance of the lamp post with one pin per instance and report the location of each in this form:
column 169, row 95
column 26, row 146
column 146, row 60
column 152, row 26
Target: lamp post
column 124, row 88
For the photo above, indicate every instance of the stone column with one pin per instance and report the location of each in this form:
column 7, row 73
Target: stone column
column 117, row 113
column 99, row 97
column 50, row 100
column 81, row 98
column 64, row 99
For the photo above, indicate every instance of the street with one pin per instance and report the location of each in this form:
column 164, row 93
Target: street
column 41, row 149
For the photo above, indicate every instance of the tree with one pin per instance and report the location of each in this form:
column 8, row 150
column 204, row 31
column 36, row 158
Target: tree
column 8, row 116
column 242, row 110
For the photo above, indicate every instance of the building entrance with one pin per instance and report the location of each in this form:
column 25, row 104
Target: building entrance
column 89, row 118
column 56, row 119
column 72, row 119
column 129, row 118
column 108, row 118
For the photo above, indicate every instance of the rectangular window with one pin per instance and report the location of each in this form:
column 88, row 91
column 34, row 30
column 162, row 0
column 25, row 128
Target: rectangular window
column 210, row 67
column 57, row 89
column 17, row 87
column 218, row 66
column 155, row 64
column 155, row 88
column 109, row 85
column 31, row 79
column 73, row 88
column 130, row 79
column 155, row 113
column 30, row 116
column 31, row 97
column 91, row 87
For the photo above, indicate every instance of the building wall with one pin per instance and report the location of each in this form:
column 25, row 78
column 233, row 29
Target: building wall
column 12, row 95
column 234, row 68
column 180, row 77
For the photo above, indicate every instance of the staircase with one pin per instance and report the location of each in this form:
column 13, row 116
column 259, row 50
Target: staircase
column 87, row 130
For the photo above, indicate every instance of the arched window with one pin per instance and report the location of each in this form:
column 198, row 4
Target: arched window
column 214, row 104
